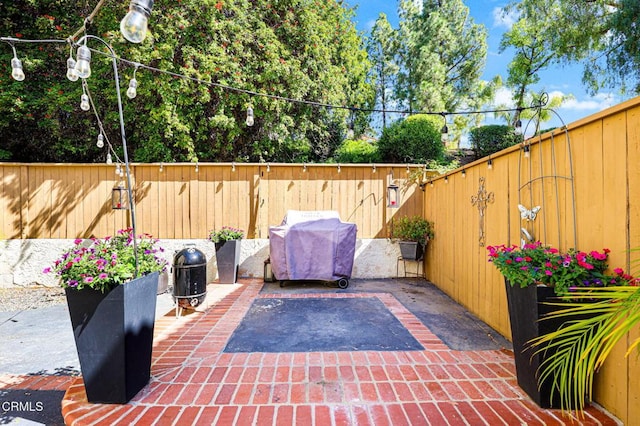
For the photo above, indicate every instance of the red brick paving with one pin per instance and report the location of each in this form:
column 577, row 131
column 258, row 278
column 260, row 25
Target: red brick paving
column 193, row 382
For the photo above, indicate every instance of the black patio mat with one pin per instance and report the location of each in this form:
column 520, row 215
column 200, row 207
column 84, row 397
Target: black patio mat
column 320, row 324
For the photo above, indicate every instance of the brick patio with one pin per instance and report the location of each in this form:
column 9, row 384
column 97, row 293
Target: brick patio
column 194, row 382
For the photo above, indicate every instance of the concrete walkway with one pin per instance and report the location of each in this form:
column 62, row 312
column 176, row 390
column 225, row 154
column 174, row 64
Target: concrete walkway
column 194, row 381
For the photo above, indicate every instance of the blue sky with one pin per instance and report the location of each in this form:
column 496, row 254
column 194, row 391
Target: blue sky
column 566, row 80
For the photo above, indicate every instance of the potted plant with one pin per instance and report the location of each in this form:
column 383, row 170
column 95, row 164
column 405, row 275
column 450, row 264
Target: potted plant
column 413, row 233
column 535, row 277
column 112, row 311
column 228, row 245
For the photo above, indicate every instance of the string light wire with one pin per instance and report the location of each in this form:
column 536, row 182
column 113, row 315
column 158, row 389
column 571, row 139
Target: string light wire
column 539, row 103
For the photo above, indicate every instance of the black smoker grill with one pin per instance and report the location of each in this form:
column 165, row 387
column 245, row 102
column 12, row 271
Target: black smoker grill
column 189, row 278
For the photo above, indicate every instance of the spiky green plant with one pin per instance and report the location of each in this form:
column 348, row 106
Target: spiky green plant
column 580, row 347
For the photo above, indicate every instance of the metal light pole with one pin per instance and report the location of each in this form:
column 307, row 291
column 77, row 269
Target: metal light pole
column 132, row 205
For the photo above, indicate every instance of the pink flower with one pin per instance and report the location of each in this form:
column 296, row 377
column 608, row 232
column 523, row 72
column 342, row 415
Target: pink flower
column 548, row 273
column 77, row 241
column 618, row 271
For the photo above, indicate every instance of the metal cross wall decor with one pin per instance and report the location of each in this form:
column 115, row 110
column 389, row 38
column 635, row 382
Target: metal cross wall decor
column 481, row 200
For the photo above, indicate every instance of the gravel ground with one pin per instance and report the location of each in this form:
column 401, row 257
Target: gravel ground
column 22, row 298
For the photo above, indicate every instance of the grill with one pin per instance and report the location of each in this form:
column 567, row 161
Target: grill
column 189, row 278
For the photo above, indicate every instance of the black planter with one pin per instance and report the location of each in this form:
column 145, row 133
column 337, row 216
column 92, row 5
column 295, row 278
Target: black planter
column 114, row 338
column 228, row 260
column 410, row 250
column 526, row 308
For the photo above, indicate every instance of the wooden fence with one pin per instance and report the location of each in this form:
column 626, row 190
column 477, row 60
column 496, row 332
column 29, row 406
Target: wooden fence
column 589, row 200
column 183, row 201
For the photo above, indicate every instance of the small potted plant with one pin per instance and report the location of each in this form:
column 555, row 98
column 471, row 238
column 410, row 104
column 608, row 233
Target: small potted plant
column 112, row 309
column 536, row 276
column 228, row 247
column 413, row 234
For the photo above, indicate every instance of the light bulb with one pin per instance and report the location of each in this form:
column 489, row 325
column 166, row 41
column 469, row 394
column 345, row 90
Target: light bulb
column 100, row 142
column 444, row 134
column 109, row 160
column 526, row 151
column 83, row 64
column 84, row 102
column 72, row 75
column 518, row 127
column 131, row 91
column 250, row 121
column 16, row 69
column 134, row 25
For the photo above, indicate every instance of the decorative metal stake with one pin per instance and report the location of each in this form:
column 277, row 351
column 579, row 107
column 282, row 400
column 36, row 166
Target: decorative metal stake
column 481, row 200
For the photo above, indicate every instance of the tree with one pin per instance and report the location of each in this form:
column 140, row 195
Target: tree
column 308, row 50
column 441, row 59
column 600, row 34
column 382, row 47
column 416, row 139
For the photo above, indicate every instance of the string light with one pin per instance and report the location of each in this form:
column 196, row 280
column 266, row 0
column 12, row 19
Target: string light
column 444, row 132
column 518, row 124
column 526, row 151
column 250, row 120
column 132, row 91
column 161, row 167
column 464, row 173
column 339, row 170
column 134, row 24
column 109, row 160
column 233, row 166
column 304, row 167
column 197, row 167
column 268, row 167
column 83, row 63
column 100, row 142
column 16, row 67
column 373, row 166
column 446, row 179
column 84, row 100
column 72, row 75
column 490, row 164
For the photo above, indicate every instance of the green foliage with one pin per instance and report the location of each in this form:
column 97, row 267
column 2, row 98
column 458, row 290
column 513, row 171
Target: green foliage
column 412, row 228
column 596, row 320
column 441, row 56
column 357, row 151
column 108, row 262
column 486, row 140
column 302, row 49
column 567, row 32
column 416, row 139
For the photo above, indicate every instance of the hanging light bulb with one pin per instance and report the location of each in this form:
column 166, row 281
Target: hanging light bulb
column 109, row 160
column 250, row 120
column 134, row 25
column 444, row 132
column 490, row 164
column 518, row 123
column 83, row 64
column 72, row 75
column 518, row 129
column 100, row 142
column 16, row 67
column 84, row 102
column 131, row 91
column 526, row 151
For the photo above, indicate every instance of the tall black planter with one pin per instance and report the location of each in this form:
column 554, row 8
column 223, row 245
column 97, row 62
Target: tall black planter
column 114, row 338
column 526, row 308
column 228, row 260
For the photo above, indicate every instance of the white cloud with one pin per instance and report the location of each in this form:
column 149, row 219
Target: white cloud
column 504, row 97
column 503, row 19
column 369, row 25
column 595, row 103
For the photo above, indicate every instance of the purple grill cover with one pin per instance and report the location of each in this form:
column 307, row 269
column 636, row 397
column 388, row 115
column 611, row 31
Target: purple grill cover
column 312, row 245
